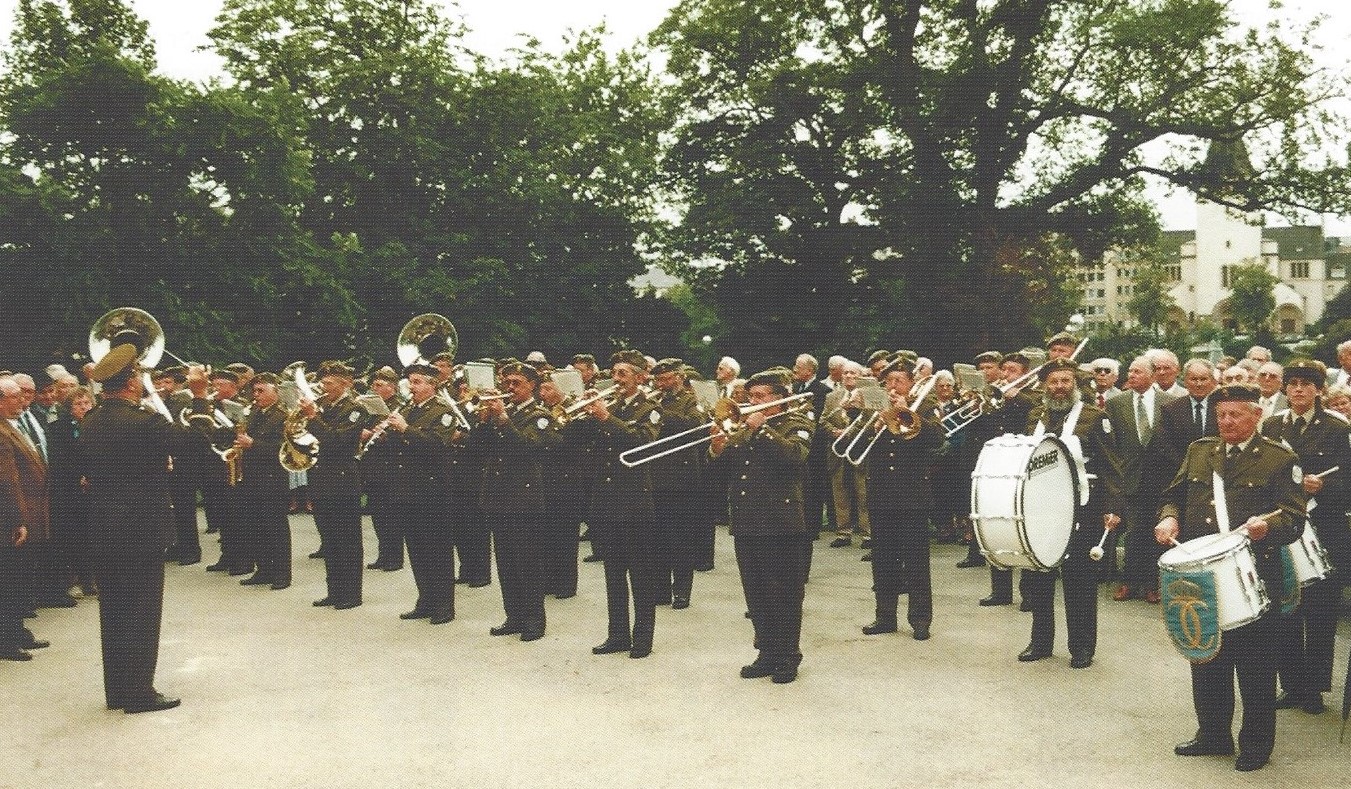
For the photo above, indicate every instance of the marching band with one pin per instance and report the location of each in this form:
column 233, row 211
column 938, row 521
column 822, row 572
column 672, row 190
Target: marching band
column 506, row 459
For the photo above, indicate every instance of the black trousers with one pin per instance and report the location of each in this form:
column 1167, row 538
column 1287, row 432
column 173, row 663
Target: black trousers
column 631, row 572
column 268, row 521
column 218, row 502
column 1140, row 569
column 339, row 522
column 472, row 539
column 681, row 544
column 431, row 553
column 560, row 531
column 183, row 494
column 1249, row 652
column 131, row 601
column 1079, row 578
column 519, row 547
column 772, row 580
column 12, row 603
column 388, row 526
column 1307, row 638
column 901, row 560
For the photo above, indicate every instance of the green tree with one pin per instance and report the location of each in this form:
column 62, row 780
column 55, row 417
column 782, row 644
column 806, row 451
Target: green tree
column 949, row 132
column 1150, row 300
column 1251, row 299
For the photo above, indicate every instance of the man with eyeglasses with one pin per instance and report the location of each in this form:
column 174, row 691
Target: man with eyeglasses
column 1106, row 373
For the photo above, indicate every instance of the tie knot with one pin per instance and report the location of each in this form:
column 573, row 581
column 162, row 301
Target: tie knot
column 1234, row 451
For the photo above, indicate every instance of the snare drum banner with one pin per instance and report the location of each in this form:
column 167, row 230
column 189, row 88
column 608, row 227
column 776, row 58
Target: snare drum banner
column 1289, row 582
column 1191, row 612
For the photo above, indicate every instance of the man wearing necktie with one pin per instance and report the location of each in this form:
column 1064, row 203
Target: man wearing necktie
column 1269, row 380
column 1137, row 417
column 1262, row 494
column 1319, row 438
column 23, row 517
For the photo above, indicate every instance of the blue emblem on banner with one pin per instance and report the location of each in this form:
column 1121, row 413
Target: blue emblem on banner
column 1289, row 582
column 1192, row 613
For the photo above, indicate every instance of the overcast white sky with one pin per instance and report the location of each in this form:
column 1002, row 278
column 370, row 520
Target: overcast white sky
column 179, row 29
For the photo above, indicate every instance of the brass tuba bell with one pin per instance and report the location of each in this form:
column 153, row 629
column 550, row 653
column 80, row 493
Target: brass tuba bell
column 425, row 336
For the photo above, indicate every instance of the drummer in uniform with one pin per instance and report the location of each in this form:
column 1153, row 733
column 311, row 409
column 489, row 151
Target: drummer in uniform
column 1065, row 413
column 1319, row 438
column 1262, row 493
column 1010, row 417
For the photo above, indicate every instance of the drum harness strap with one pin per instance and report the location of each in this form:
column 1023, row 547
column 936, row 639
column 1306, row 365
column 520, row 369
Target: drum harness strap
column 1073, row 444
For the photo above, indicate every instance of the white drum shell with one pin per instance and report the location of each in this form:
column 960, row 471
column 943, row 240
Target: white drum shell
column 1023, row 501
column 1308, row 557
column 1228, row 557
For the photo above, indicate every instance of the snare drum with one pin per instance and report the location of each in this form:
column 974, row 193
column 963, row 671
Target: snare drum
column 1228, row 557
column 1308, row 557
column 1023, row 500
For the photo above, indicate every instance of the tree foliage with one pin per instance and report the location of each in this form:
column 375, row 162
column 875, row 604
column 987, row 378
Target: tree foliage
column 1150, row 300
column 1251, row 300
column 948, row 133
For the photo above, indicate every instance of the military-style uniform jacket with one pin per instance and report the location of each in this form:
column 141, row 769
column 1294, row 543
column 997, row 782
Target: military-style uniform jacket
column 679, row 471
column 617, row 489
column 338, row 427
column 416, row 457
column 376, row 462
column 565, row 479
column 126, row 450
column 1262, row 478
column 261, row 464
column 1094, row 431
column 898, row 467
column 764, row 473
column 1322, row 445
column 513, row 479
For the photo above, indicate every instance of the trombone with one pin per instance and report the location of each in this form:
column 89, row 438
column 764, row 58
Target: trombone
column 977, row 404
column 727, row 418
column 869, row 408
column 901, row 419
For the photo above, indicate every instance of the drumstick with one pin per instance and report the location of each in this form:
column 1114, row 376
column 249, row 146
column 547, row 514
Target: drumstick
column 1324, row 472
column 1096, row 553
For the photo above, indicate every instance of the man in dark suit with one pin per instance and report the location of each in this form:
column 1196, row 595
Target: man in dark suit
column 337, row 421
column 817, row 483
column 1191, row 417
column 677, row 486
column 1063, row 413
column 23, row 514
column 620, row 514
column 1136, row 418
column 263, row 490
column 766, row 503
column 1319, row 438
column 127, row 451
column 1261, row 493
column 514, row 432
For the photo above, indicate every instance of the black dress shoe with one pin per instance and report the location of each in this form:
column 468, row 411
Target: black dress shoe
column 1246, row 764
column 1081, row 661
column 867, row 557
column 188, row 561
column 479, row 584
column 256, row 580
column 1286, row 701
column 996, row 600
column 346, row 604
column 212, row 530
column 533, row 632
column 60, row 601
column 611, row 646
column 243, row 570
column 1313, row 703
column 1025, row 606
column 317, row 555
column 565, row 595
column 157, row 702
column 416, row 613
column 757, row 670
column 392, row 566
column 1199, row 747
column 1033, row 653
column 509, row 628
column 15, row 654
column 376, row 565
column 921, row 632
column 280, row 585
column 704, row 568
column 841, row 542
column 34, row 643
column 680, row 603
column 965, row 563
column 640, row 651
column 441, row 617
column 878, row 626
column 218, row 567
column 322, row 602
column 593, row 558
column 783, row 675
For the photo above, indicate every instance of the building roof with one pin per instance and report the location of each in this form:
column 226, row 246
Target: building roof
column 1171, row 241
column 1304, row 242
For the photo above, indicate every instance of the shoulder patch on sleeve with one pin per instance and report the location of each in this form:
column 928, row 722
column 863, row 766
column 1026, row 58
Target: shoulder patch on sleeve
column 1297, row 474
column 1106, row 425
column 654, row 416
column 804, row 435
column 354, row 416
column 542, row 423
column 446, row 419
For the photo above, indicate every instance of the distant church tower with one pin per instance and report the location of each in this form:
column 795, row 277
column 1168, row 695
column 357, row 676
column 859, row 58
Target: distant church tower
column 1224, row 237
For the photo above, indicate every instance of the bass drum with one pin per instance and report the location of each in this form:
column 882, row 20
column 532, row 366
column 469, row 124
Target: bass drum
column 1023, row 496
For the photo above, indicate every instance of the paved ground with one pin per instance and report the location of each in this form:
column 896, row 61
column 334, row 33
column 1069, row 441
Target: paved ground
column 279, row 694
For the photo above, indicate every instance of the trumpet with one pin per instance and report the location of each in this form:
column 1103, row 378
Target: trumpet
column 728, row 416
column 977, row 404
column 577, row 409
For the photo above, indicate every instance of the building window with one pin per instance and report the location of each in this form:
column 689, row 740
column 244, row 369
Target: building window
column 1174, row 272
column 1299, row 269
column 1225, row 272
